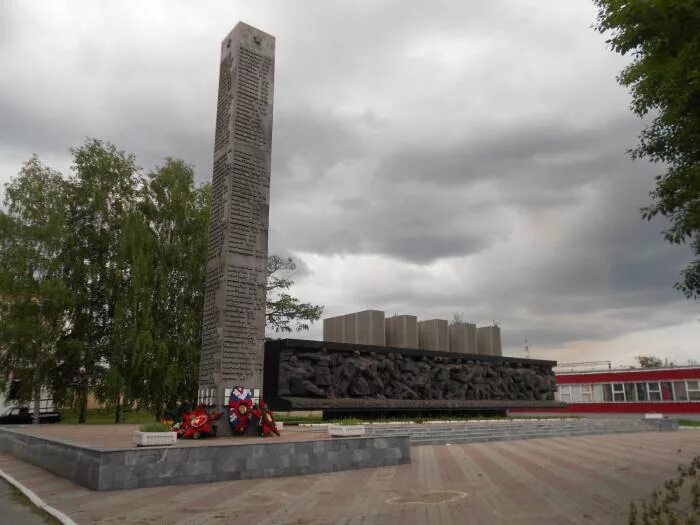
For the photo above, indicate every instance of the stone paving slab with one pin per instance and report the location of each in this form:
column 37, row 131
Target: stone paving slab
column 120, row 436
column 563, row 480
column 99, row 468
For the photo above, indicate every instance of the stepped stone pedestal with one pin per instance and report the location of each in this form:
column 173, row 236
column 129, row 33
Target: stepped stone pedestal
column 506, row 430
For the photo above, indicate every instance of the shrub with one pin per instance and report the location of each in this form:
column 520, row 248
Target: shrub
column 677, row 502
column 347, row 421
column 154, row 427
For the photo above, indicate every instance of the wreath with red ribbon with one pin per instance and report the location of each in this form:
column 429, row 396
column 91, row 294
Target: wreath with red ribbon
column 239, row 414
column 268, row 425
column 242, row 414
column 197, row 423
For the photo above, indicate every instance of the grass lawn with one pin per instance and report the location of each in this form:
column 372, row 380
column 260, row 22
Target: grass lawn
column 689, row 423
column 298, row 419
column 105, row 416
column 32, row 513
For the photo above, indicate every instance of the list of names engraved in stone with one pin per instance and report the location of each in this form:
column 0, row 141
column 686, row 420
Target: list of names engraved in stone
column 233, row 331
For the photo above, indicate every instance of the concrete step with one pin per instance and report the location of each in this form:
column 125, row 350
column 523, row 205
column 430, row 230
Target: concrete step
column 513, row 432
column 519, row 431
column 485, row 432
column 496, row 437
column 500, row 429
column 531, row 431
column 486, row 439
column 503, row 430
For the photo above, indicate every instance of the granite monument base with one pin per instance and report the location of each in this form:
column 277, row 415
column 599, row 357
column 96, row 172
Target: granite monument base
column 131, row 468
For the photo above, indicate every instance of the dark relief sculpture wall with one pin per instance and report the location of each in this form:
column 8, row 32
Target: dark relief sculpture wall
column 338, row 371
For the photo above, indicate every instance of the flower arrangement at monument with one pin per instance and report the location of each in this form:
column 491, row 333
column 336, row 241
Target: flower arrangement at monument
column 267, row 421
column 197, row 423
column 240, row 407
column 245, row 416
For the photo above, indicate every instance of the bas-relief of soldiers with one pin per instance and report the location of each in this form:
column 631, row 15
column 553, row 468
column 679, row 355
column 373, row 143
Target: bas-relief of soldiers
column 398, row 376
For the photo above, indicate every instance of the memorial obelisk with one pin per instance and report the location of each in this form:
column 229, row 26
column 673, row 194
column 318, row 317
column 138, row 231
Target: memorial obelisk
column 233, row 332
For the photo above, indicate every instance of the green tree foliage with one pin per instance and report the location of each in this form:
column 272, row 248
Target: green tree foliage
column 100, row 201
column 133, row 338
column 177, row 215
column 34, row 299
column 650, row 361
column 102, row 281
column 286, row 313
column 663, row 39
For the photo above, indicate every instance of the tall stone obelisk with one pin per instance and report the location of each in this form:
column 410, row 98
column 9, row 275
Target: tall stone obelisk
column 233, row 332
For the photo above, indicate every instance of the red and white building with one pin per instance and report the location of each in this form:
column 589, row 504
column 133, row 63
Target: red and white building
column 673, row 390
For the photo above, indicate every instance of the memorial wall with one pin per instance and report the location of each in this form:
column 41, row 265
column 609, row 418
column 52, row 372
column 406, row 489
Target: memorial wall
column 317, row 375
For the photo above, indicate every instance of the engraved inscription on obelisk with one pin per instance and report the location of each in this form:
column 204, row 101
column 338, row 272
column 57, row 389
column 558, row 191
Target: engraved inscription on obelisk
column 233, row 333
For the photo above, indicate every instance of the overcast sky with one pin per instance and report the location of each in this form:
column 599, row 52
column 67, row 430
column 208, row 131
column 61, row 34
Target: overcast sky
column 428, row 157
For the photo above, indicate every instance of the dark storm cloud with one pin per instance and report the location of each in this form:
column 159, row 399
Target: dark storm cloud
column 318, row 139
column 24, row 127
column 413, row 222
column 434, row 157
column 607, row 275
column 555, row 154
column 417, row 204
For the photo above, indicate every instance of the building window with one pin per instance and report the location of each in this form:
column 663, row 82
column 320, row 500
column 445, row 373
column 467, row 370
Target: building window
column 654, row 392
column 576, row 393
column 642, row 392
column 598, row 393
column 630, row 392
column 607, row 392
column 667, row 391
column 680, row 391
column 587, row 393
column 694, row 390
column 565, row 393
column 618, row 392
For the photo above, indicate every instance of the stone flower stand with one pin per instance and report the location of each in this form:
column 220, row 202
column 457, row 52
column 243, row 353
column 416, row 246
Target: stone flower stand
column 346, row 430
column 154, row 439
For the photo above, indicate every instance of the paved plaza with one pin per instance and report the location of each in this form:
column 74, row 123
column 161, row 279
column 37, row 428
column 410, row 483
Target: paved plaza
column 584, row 480
column 121, row 436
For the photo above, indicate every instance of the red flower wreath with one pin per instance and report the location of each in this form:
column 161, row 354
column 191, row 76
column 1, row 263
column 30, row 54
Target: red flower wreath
column 197, row 423
column 266, row 420
column 239, row 414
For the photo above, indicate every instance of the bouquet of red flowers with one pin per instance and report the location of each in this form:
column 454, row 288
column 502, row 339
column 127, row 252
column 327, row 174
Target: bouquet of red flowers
column 240, row 407
column 197, row 423
column 242, row 412
column 266, row 420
